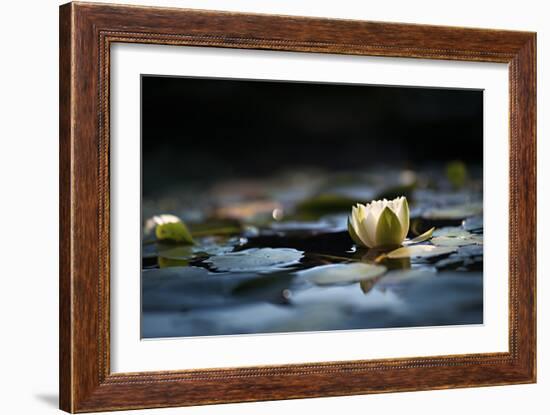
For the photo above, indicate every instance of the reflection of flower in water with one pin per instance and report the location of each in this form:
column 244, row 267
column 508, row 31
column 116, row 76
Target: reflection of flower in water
column 381, row 223
column 367, row 285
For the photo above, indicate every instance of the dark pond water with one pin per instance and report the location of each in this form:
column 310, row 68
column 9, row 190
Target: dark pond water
column 273, row 256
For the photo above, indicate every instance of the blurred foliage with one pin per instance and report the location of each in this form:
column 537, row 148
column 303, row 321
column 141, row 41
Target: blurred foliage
column 457, row 173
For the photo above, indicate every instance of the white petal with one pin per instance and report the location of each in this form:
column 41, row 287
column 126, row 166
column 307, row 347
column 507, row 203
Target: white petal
column 369, row 226
column 352, row 229
column 361, row 213
column 402, row 212
column 376, row 207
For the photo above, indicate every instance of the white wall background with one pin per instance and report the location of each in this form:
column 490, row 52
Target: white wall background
column 29, row 193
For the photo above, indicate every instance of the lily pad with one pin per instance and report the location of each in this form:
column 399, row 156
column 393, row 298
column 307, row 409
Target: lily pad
column 420, row 238
column 342, row 273
column 471, row 239
column 467, row 258
column 454, row 212
column 255, row 259
column 420, row 251
column 473, row 224
column 451, row 232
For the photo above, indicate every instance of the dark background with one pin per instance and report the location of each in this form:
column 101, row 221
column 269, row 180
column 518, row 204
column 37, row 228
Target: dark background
column 199, row 130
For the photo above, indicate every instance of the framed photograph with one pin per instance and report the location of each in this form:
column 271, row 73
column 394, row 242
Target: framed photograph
column 260, row 207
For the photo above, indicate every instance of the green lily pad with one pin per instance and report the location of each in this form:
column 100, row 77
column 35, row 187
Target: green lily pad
column 420, row 251
column 256, row 259
column 170, row 255
column 342, row 273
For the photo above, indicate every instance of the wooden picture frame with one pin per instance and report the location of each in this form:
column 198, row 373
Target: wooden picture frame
column 86, row 33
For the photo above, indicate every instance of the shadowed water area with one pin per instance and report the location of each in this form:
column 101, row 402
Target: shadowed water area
column 265, row 253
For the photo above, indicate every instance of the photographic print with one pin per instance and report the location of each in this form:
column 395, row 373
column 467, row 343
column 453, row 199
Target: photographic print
column 281, row 206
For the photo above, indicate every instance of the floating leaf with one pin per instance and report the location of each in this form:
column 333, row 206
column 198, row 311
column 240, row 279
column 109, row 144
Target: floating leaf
column 420, row 251
column 454, row 212
column 471, row 250
column 420, row 238
column 471, row 239
column 474, row 223
column 342, row 273
column 256, row 259
column 451, row 232
column 175, row 232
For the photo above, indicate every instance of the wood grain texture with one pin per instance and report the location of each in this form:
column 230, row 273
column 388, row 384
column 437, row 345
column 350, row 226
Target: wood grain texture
column 86, row 33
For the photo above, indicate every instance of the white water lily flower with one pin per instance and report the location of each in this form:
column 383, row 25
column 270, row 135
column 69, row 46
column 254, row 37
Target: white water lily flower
column 379, row 224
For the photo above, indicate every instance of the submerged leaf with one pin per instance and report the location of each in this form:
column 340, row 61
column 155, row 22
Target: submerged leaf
column 420, row 251
column 256, row 259
column 342, row 273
